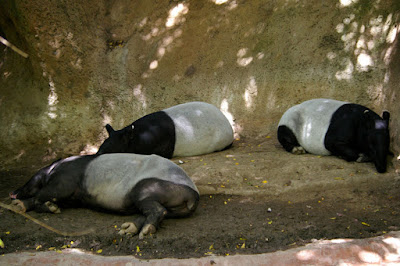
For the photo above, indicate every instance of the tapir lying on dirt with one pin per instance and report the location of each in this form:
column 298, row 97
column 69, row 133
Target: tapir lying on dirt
column 350, row 131
column 125, row 183
column 187, row 129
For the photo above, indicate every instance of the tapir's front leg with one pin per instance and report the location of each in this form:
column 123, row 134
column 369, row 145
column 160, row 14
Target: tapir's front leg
column 343, row 150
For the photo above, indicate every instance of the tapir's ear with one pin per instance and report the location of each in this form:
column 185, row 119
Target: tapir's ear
column 110, row 130
column 386, row 116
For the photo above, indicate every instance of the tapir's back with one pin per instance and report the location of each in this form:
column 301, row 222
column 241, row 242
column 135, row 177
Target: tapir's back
column 200, row 128
column 309, row 121
column 120, row 172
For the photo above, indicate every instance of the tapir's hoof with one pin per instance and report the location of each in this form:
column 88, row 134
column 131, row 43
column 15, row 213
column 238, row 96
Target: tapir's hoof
column 18, row 206
column 128, row 227
column 52, row 207
column 298, row 150
column 146, row 230
column 362, row 158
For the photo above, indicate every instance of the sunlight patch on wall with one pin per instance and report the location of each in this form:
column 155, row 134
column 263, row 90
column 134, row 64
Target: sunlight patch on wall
column 344, row 3
column 89, row 149
column 224, row 107
column 250, row 93
column 360, row 42
column 176, row 15
column 347, row 73
column 52, row 98
column 364, row 62
column 154, row 64
column 139, row 95
column 219, row 2
column 242, row 60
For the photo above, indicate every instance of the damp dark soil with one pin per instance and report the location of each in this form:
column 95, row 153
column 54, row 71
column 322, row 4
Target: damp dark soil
column 222, row 225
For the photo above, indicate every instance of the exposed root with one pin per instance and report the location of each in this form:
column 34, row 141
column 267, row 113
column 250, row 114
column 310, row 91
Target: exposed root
column 9, row 207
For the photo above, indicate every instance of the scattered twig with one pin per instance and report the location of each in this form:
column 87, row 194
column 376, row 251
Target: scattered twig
column 45, row 225
column 12, row 46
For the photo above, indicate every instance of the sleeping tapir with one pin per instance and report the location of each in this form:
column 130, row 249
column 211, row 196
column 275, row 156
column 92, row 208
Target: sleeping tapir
column 187, row 129
column 350, row 131
column 126, row 183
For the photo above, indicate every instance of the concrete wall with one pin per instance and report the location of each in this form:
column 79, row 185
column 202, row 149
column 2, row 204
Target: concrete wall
column 114, row 61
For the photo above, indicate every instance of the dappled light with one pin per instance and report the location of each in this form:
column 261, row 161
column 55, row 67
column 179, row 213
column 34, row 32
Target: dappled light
column 89, row 149
column 242, row 59
column 344, row 3
column 176, row 15
column 250, row 93
column 219, row 2
column 224, row 107
column 139, row 95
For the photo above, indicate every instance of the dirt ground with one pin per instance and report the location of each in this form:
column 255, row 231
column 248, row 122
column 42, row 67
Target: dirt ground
column 256, row 198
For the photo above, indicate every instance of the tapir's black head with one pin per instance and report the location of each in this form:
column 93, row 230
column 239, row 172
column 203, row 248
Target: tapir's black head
column 35, row 184
column 118, row 141
column 379, row 140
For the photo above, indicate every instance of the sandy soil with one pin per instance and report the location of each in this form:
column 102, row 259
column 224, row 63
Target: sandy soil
column 256, row 198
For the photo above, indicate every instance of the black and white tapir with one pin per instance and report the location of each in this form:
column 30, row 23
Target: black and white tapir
column 187, row 129
column 126, row 183
column 350, row 131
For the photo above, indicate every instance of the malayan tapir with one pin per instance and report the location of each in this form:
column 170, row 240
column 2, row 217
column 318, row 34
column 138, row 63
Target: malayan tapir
column 187, row 129
column 347, row 130
column 150, row 185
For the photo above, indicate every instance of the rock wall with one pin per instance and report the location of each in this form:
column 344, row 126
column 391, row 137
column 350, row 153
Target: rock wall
column 114, row 61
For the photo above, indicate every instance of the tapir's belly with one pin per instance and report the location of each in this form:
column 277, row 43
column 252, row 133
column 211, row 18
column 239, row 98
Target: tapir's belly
column 200, row 128
column 309, row 121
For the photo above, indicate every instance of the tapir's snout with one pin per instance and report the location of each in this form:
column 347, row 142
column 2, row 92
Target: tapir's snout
column 13, row 195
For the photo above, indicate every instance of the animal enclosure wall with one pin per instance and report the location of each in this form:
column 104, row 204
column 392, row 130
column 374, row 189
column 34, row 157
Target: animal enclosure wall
column 112, row 62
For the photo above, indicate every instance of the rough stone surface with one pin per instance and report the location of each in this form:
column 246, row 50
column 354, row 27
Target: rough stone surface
column 115, row 61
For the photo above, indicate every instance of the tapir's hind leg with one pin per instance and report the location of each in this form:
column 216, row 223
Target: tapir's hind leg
column 157, row 199
column 289, row 141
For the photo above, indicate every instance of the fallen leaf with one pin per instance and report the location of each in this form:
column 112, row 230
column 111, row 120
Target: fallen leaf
column 365, row 224
column 1, row 243
column 211, row 247
column 137, row 249
column 265, row 182
column 243, row 246
column 52, row 248
column 99, row 251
